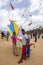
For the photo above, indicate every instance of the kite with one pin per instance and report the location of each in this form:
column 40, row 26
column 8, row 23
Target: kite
column 20, row 33
column 20, row 44
column 11, row 27
column 29, row 23
column 12, row 6
column 16, row 27
column 30, row 15
column 19, row 39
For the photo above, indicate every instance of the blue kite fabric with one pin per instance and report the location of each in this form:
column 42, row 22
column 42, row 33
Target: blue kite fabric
column 11, row 27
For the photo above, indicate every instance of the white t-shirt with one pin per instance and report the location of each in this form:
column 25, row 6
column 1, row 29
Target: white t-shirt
column 24, row 39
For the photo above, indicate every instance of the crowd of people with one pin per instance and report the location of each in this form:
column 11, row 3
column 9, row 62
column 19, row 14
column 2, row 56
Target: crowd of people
column 25, row 43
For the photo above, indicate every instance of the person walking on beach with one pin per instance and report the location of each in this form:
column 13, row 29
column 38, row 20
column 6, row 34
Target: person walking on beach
column 14, row 40
column 35, row 36
column 7, row 36
column 2, row 34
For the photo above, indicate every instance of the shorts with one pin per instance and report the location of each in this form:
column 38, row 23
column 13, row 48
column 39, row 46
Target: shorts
column 23, row 49
column 28, row 51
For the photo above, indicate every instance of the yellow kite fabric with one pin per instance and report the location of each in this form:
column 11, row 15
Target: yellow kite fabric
column 16, row 28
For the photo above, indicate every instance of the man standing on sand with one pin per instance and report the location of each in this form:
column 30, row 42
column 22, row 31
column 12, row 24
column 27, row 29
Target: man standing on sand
column 2, row 34
column 7, row 36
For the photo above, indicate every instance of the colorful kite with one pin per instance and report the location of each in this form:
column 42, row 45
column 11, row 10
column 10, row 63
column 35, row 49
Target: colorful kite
column 30, row 23
column 16, row 27
column 20, row 43
column 12, row 6
column 20, row 33
column 11, row 27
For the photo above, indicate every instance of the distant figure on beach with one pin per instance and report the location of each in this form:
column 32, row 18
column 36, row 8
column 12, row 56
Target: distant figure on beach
column 14, row 41
column 35, row 36
column 38, row 36
column 7, row 36
column 2, row 34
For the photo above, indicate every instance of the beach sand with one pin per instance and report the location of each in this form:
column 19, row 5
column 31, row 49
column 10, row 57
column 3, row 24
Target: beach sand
column 7, row 57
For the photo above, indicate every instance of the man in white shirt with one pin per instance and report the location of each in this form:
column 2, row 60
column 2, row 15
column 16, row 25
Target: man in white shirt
column 24, row 41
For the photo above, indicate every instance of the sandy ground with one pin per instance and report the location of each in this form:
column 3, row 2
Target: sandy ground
column 7, row 57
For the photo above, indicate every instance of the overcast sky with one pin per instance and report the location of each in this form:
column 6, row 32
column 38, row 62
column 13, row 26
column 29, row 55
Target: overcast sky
column 21, row 13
